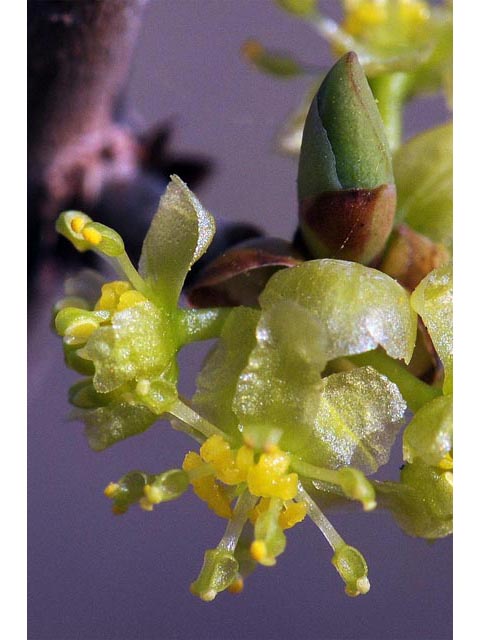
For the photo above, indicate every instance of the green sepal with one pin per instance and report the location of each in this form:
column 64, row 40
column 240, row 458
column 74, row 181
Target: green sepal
column 106, row 425
column 359, row 307
column 220, row 569
column 352, row 567
column 429, row 436
column 138, row 345
column 422, row 502
column 424, row 178
column 433, row 301
column 179, row 235
column 76, row 362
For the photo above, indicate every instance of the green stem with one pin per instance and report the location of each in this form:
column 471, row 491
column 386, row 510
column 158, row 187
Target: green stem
column 202, row 324
column 391, row 91
column 415, row 392
column 186, row 414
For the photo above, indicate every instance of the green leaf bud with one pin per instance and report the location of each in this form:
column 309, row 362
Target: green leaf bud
column 220, row 569
column 167, row 486
column 346, row 188
column 353, row 569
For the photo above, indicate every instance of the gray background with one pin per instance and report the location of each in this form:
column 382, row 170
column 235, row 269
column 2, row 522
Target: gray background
column 93, row 576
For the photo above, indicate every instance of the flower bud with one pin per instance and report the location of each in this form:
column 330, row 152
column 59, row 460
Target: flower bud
column 219, row 570
column 353, row 569
column 346, row 189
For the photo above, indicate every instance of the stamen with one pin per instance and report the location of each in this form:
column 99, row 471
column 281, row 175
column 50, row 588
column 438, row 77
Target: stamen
column 245, row 503
column 77, row 224
column 332, row 536
column 111, row 489
column 92, row 235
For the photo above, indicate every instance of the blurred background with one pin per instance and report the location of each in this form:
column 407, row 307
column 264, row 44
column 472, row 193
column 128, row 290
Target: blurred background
column 94, row 576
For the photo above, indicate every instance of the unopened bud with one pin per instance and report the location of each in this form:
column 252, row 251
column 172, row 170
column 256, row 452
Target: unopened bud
column 346, row 189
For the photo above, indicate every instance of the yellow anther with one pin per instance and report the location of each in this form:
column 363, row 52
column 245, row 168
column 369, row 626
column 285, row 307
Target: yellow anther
column 236, row 586
column 143, row 387
column 258, row 550
column 216, row 452
column 129, row 299
column 111, row 294
column 111, row 489
column 145, row 504
column 81, row 331
column 269, row 478
column 207, row 489
column 293, row 513
column 414, row 12
column 93, row 236
column 77, row 224
column 245, row 458
column 364, row 14
column 446, row 462
column 152, row 494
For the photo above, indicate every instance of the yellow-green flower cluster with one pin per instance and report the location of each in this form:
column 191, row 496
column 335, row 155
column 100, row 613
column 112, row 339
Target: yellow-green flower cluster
column 219, row 474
